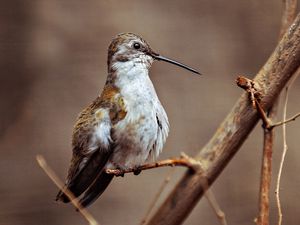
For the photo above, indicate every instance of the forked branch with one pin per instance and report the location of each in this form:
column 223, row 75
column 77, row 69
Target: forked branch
column 234, row 130
column 293, row 118
column 249, row 86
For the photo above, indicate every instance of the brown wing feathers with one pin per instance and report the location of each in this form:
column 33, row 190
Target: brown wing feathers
column 87, row 175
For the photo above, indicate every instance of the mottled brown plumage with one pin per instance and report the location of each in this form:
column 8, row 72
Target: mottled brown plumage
column 83, row 129
column 124, row 126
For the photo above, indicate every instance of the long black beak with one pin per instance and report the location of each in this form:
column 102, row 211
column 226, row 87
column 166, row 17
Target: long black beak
column 162, row 58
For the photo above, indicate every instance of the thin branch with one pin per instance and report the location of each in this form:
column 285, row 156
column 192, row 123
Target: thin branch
column 43, row 164
column 293, row 118
column 249, row 86
column 184, row 160
column 285, row 148
column 214, row 204
column 234, row 130
column 266, row 169
column 265, row 181
column 157, row 196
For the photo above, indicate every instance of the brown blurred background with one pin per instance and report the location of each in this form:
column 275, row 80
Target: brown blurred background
column 53, row 63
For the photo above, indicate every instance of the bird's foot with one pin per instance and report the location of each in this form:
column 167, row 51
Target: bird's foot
column 117, row 171
column 137, row 171
column 120, row 172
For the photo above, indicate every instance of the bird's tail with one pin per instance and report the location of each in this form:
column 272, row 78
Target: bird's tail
column 96, row 189
column 85, row 177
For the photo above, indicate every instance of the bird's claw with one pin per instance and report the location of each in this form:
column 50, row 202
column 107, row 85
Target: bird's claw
column 137, row 171
column 120, row 173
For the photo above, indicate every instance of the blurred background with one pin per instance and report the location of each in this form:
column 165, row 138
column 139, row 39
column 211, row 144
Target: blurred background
column 53, row 63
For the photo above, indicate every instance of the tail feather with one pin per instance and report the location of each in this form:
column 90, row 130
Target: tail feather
column 85, row 177
column 96, row 189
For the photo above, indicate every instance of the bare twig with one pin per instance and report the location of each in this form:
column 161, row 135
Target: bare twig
column 265, row 182
column 231, row 134
column 285, row 148
column 213, row 203
column 157, row 196
column 184, row 160
column 43, row 164
column 293, row 118
column 249, row 86
column 288, row 15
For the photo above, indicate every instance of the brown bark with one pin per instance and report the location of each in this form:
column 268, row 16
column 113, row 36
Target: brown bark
column 289, row 13
column 265, row 182
column 184, row 160
column 231, row 134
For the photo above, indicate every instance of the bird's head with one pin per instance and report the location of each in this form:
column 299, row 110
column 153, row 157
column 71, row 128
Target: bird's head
column 131, row 47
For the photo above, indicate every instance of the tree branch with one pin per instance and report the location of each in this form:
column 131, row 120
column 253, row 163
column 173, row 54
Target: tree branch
column 293, row 118
column 285, row 148
column 184, row 160
column 265, row 178
column 266, row 169
column 265, row 183
column 249, row 86
column 234, row 130
column 288, row 15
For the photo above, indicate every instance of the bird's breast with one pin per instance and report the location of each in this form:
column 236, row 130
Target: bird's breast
column 135, row 136
column 139, row 126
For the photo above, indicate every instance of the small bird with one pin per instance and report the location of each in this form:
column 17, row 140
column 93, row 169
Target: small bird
column 123, row 127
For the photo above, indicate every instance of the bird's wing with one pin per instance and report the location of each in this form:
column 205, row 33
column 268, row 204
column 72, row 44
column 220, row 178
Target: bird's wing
column 96, row 189
column 92, row 147
column 117, row 113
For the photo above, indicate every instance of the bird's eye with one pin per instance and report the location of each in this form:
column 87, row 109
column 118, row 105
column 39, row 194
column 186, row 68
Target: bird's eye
column 137, row 45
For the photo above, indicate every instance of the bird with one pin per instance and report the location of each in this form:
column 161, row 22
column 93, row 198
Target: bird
column 124, row 127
